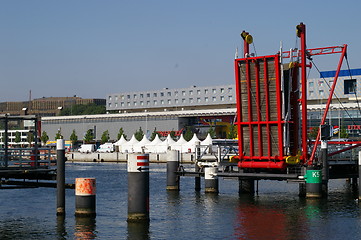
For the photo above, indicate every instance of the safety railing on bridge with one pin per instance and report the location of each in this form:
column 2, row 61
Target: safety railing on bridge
column 341, row 152
column 26, row 158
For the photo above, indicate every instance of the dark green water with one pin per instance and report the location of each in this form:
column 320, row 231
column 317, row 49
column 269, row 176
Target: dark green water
column 275, row 213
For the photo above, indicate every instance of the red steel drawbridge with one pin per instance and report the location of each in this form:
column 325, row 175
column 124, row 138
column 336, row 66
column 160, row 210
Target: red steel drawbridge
column 272, row 105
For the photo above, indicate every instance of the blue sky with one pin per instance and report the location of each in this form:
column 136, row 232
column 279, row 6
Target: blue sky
column 91, row 48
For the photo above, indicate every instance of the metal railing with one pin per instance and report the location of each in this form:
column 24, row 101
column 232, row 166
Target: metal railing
column 26, row 157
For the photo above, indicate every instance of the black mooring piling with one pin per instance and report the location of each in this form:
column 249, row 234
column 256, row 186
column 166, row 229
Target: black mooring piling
column 325, row 168
column 211, row 179
column 313, row 182
column 138, row 188
column 85, row 197
column 246, row 186
column 172, row 167
column 359, row 175
column 197, row 179
column 60, row 177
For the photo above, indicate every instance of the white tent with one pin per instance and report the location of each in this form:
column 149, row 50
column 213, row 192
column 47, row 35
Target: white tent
column 120, row 143
column 156, row 145
column 129, row 146
column 138, row 147
column 179, row 144
column 167, row 144
column 190, row 146
column 207, row 141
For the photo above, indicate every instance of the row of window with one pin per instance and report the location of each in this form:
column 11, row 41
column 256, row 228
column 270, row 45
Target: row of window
column 349, row 86
column 169, row 94
column 169, row 101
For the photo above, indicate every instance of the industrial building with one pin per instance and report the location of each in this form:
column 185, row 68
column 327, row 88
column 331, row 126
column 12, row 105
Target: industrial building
column 46, row 106
column 201, row 107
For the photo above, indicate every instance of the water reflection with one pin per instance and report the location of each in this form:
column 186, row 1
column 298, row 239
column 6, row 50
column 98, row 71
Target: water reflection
column 138, row 231
column 85, row 228
column 269, row 220
column 60, row 227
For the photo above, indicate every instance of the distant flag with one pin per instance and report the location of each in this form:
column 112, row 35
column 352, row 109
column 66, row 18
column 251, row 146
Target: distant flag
column 336, row 129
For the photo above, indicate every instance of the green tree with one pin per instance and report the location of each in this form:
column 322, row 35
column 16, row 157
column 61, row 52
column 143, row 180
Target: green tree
column 73, row 138
column 17, row 137
column 343, row 132
column 212, row 132
column 30, row 137
column 44, row 137
column 172, row 135
column 89, row 136
column 232, row 134
column 83, row 109
column 58, row 135
column 105, row 137
column 120, row 133
column 313, row 133
column 188, row 134
column 154, row 133
column 139, row 134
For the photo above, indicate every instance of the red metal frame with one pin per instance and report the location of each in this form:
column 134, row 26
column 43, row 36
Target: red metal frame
column 259, row 159
column 302, row 33
column 252, row 81
column 313, row 51
column 344, row 49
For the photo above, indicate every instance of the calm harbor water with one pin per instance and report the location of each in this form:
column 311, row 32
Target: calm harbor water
column 275, row 213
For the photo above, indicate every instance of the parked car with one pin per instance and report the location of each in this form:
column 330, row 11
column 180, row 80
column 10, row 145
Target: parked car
column 106, row 147
column 87, row 148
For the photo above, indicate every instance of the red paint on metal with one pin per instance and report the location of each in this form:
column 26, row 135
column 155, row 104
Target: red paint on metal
column 143, row 157
column 266, row 90
column 258, row 107
column 141, row 164
column 302, row 30
column 328, row 103
column 259, row 164
column 279, row 107
column 249, row 95
column 239, row 107
column 260, row 102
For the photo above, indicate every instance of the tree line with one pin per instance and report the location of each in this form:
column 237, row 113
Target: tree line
column 89, row 135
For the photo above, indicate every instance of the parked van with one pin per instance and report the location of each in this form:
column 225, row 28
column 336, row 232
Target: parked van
column 106, row 147
column 87, row 148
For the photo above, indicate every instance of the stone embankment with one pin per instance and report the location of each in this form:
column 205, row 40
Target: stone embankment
column 123, row 157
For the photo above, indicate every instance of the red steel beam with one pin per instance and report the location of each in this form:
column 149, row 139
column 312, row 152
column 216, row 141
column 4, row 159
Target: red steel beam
column 328, row 102
column 302, row 33
column 258, row 105
column 279, row 106
column 313, row 51
column 239, row 108
column 266, row 90
column 249, row 100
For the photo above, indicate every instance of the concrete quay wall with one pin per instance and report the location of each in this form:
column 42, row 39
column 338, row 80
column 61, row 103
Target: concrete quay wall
column 123, row 157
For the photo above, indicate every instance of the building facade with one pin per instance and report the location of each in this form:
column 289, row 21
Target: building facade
column 201, row 107
column 46, row 106
column 191, row 98
column 167, row 121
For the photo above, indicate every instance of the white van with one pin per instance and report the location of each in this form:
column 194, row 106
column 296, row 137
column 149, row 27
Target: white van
column 87, row 148
column 106, row 147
